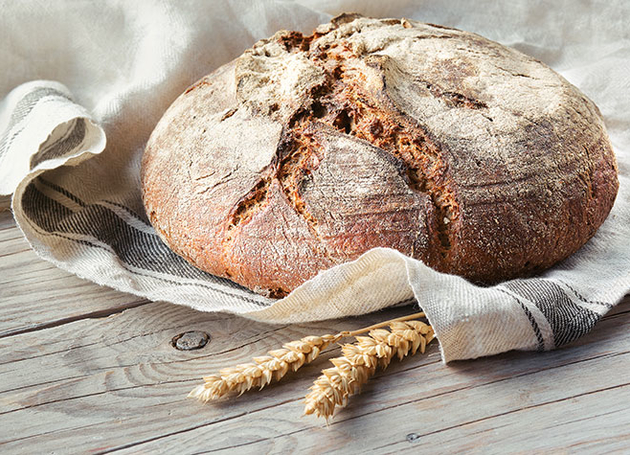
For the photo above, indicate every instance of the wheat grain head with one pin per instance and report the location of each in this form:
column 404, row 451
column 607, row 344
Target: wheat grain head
column 360, row 361
column 264, row 369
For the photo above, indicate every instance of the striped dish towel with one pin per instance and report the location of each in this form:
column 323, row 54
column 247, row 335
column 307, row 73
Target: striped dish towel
column 78, row 203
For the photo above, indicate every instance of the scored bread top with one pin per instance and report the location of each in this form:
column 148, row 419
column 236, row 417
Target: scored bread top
column 307, row 151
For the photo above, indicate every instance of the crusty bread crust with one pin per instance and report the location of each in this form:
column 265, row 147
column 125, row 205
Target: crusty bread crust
column 307, row 151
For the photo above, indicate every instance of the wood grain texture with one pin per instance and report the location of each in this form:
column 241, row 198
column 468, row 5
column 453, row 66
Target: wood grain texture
column 86, row 369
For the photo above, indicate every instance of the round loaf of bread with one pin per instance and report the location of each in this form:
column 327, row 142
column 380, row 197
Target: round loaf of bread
column 307, row 151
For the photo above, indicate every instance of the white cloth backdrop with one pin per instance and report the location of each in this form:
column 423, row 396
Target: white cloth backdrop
column 70, row 149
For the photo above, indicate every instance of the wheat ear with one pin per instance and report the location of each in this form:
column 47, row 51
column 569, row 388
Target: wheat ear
column 265, row 369
column 360, row 361
column 275, row 365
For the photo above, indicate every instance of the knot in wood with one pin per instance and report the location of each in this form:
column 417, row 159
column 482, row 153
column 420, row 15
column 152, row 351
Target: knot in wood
column 413, row 437
column 191, row 340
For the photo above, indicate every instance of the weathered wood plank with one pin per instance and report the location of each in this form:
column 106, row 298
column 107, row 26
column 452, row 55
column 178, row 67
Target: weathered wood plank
column 552, row 426
column 556, row 427
column 5, row 203
column 103, row 364
column 116, row 382
column 36, row 294
column 436, row 405
column 6, row 219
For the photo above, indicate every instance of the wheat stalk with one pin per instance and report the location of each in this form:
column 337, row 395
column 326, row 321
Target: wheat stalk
column 360, row 361
column 265, row 369
column 293, row 355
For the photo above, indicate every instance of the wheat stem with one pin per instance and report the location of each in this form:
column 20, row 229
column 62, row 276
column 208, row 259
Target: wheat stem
column 354, row 333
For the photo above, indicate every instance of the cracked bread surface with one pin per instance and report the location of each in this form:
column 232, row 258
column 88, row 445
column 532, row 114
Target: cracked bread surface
column 307, row 151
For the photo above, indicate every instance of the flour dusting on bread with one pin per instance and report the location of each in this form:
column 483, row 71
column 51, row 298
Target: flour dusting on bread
column 308, row 150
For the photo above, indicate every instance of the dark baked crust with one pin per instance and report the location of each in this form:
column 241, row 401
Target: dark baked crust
column 309, row 150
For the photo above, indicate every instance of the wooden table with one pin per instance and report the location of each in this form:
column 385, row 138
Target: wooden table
column 89, row 369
